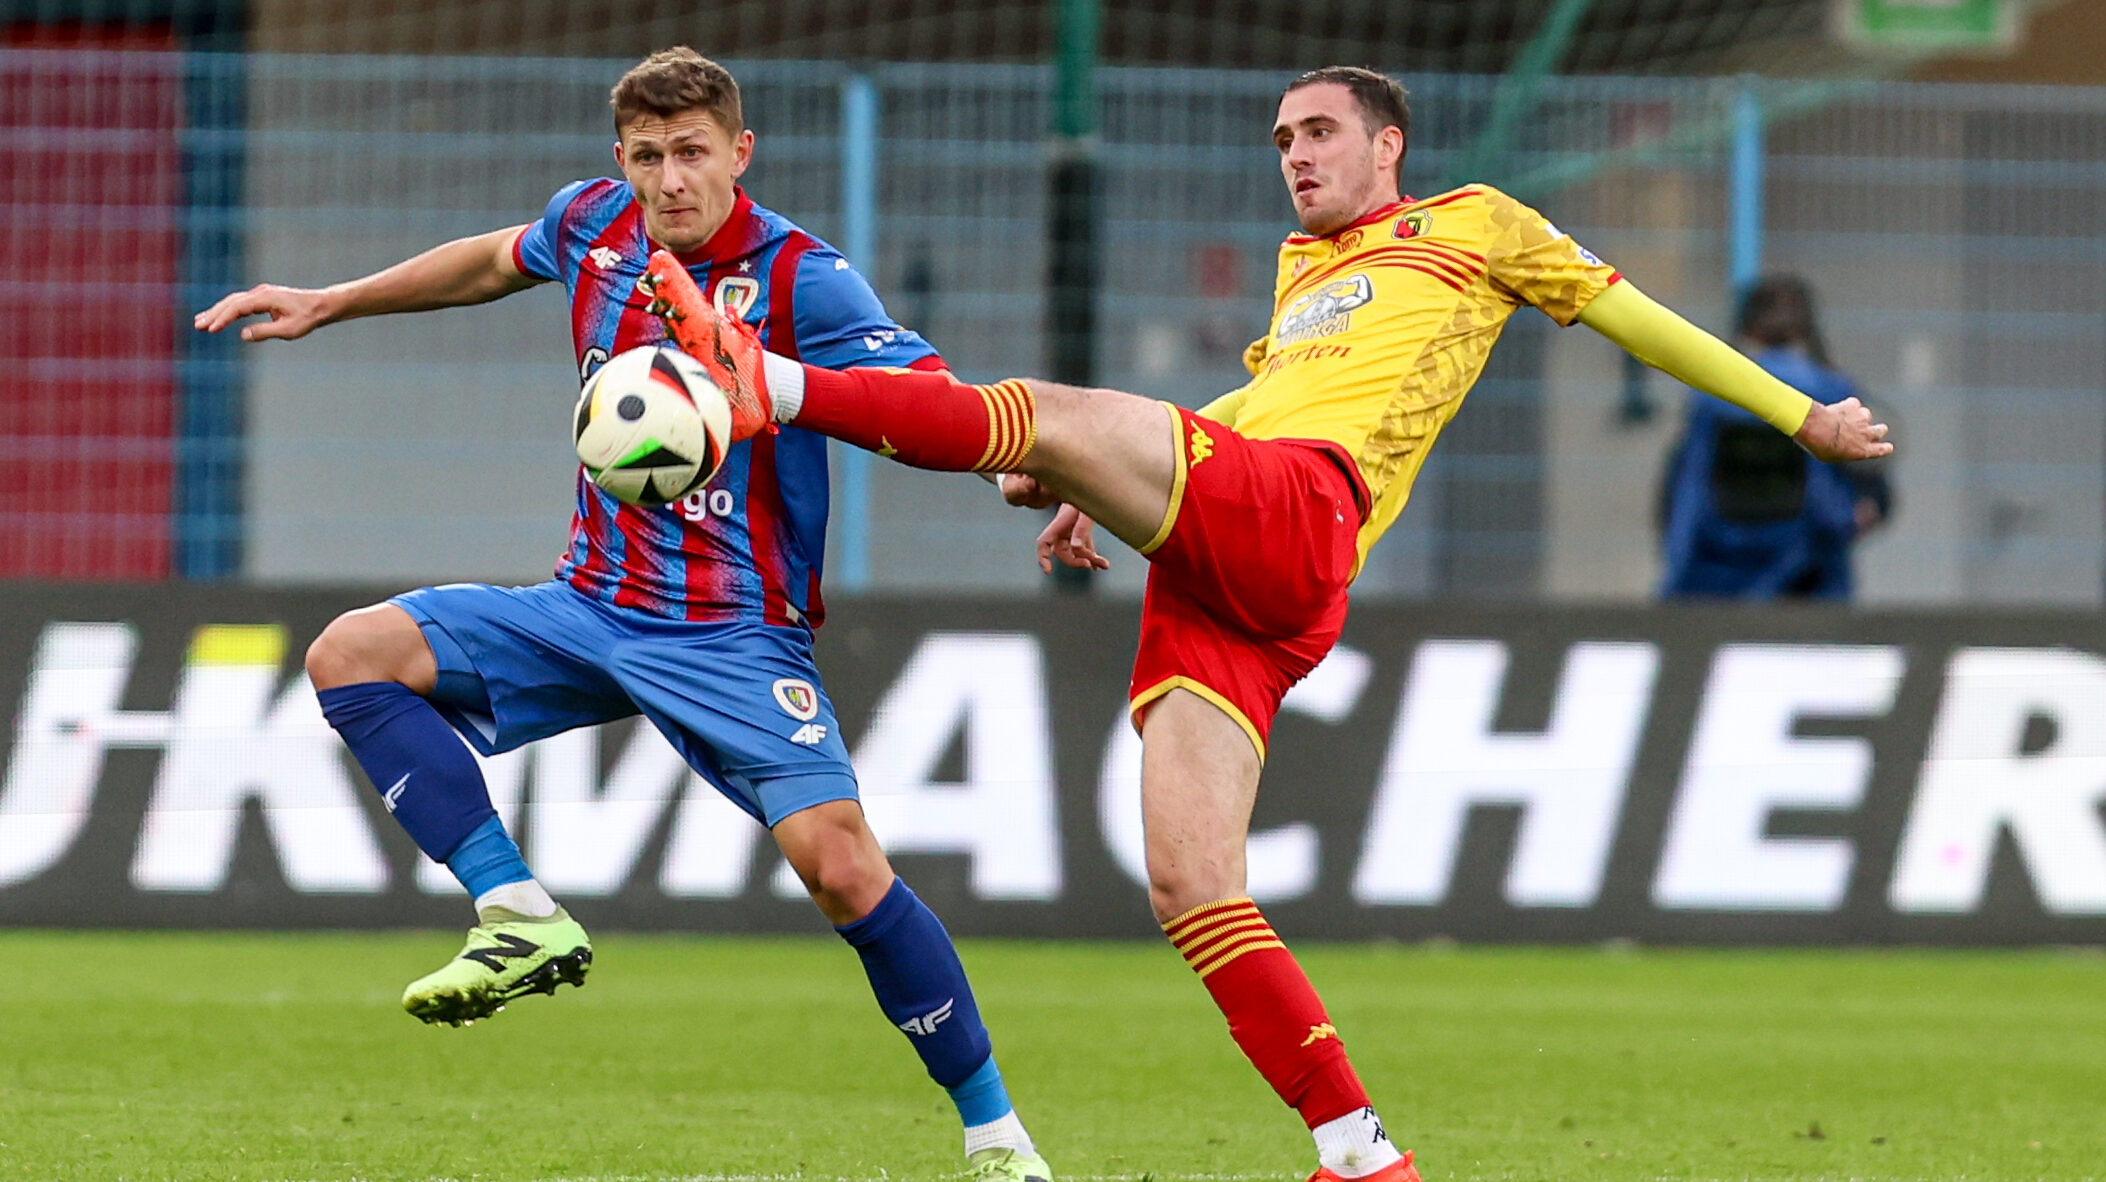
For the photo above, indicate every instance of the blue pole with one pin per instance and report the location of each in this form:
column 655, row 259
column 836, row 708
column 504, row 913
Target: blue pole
column 1744, row 229
column 859, row 169
column 208, row 529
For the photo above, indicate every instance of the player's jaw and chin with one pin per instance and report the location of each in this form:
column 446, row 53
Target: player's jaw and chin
column 684, row 170
column 1336, row 179
column 1342, row 193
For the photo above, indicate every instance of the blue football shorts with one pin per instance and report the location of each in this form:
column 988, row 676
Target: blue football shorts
column 740, row 701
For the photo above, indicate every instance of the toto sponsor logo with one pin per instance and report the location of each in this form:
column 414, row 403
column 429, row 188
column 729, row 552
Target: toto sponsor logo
column 1666, row 776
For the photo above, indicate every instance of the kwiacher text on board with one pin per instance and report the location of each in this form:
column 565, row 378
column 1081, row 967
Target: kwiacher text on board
column 1671, row 785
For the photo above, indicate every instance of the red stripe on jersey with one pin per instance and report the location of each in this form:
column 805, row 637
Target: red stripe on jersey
column 581, row 532
column 634, row 525
column 930, row 364
column 1375, row 257
column 1428, row 243
column 635, row 327
column 764, row 526
column 1444, row 263
column 764, row 522
column 781, row 326
column 623, row 232
column 1417, row 250
column 1443, row 276
column 814, row 602
column 1457, row 195
column 519, row 255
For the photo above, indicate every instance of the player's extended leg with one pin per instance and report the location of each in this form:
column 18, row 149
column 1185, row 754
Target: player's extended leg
column 915, row 972
column 1111, row 454
column 1199, row 780
column 372, row 670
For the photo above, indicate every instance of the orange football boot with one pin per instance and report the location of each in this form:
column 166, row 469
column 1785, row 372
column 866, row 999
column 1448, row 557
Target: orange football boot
column 727, row 348
column 1396, row 1171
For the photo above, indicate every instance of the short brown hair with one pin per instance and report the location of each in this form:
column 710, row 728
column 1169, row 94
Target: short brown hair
column 1778, row 313
column 1382, row 99
column 675, row 80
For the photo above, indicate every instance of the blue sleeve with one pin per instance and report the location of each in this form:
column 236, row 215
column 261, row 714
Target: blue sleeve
column 839, row 321
column 1839, row 387
column 536, row 251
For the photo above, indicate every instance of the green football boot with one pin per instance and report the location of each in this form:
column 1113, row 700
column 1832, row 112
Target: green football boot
column 1007, row 1165
column 508, row 955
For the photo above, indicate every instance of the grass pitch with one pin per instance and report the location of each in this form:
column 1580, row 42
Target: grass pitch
column 281, row 1057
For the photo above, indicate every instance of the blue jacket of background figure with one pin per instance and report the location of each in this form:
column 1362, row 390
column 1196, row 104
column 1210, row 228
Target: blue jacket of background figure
column 1709, row 554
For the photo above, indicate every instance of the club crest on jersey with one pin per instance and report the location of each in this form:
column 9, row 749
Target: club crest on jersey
column 1414, row 224
column 736, row 295
column 797, row 698
column 1327, row 311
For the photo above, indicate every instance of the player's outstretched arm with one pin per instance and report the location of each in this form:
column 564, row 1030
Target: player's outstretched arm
column 1660, row 338
column 472, row 270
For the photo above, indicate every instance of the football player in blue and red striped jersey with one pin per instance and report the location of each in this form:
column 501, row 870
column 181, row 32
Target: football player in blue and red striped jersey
column 696, row 614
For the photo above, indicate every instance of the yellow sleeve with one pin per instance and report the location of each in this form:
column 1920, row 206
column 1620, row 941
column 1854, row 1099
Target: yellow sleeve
column 1537, row 263
column 1223, row 409
column 1653, row 334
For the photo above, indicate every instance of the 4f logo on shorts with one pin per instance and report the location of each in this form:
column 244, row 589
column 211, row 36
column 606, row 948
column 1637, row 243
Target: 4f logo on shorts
column 797, row 698
column 1202, row 445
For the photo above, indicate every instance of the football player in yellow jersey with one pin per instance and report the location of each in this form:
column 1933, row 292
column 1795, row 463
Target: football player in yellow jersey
column 1255, row 513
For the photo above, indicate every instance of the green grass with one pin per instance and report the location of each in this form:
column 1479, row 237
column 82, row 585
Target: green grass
column 275, row 1057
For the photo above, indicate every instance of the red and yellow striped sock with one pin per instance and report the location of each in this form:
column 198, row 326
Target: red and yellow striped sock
column 1273, row 1012
column 928, row 419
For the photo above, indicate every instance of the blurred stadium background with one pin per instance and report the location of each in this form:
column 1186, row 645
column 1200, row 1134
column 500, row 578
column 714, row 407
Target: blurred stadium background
column 161, row 152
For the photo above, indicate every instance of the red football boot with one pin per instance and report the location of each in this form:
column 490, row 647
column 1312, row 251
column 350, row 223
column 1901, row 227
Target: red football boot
column 1396, row 1171
column 727, row 347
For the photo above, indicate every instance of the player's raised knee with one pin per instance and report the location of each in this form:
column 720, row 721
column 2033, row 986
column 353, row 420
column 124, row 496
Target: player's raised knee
column 840, row 862
column 378, row 643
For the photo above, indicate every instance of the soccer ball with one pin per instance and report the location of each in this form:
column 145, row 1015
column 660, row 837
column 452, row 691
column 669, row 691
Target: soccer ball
column 651, row 427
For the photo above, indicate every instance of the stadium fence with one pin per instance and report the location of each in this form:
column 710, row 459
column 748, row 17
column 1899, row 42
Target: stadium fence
column 1956, row 235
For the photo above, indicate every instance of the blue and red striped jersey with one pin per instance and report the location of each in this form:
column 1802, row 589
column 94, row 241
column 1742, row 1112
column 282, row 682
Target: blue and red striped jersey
column 751, row 545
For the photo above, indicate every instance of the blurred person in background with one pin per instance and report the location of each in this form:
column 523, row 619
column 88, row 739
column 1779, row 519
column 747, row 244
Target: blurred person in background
column 1744, row 512
column 698, row 613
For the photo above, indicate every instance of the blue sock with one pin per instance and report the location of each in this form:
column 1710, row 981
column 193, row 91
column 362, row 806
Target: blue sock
column 920, row 984
column 488, row 858
column 423, row 771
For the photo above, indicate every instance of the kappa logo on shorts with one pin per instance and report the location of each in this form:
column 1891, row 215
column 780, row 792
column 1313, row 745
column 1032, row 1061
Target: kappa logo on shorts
column 1202, row 445
column 797, row 698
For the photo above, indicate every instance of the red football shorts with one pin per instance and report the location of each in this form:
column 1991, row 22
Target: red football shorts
column 1247, row 587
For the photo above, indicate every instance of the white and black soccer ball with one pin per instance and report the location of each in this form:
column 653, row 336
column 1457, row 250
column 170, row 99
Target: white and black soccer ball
column 651, row 427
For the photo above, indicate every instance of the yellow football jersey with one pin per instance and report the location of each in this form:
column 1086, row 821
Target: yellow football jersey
column 1380, row 329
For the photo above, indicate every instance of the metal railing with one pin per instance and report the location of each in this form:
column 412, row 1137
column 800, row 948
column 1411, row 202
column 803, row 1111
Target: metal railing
column 1955, row 235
